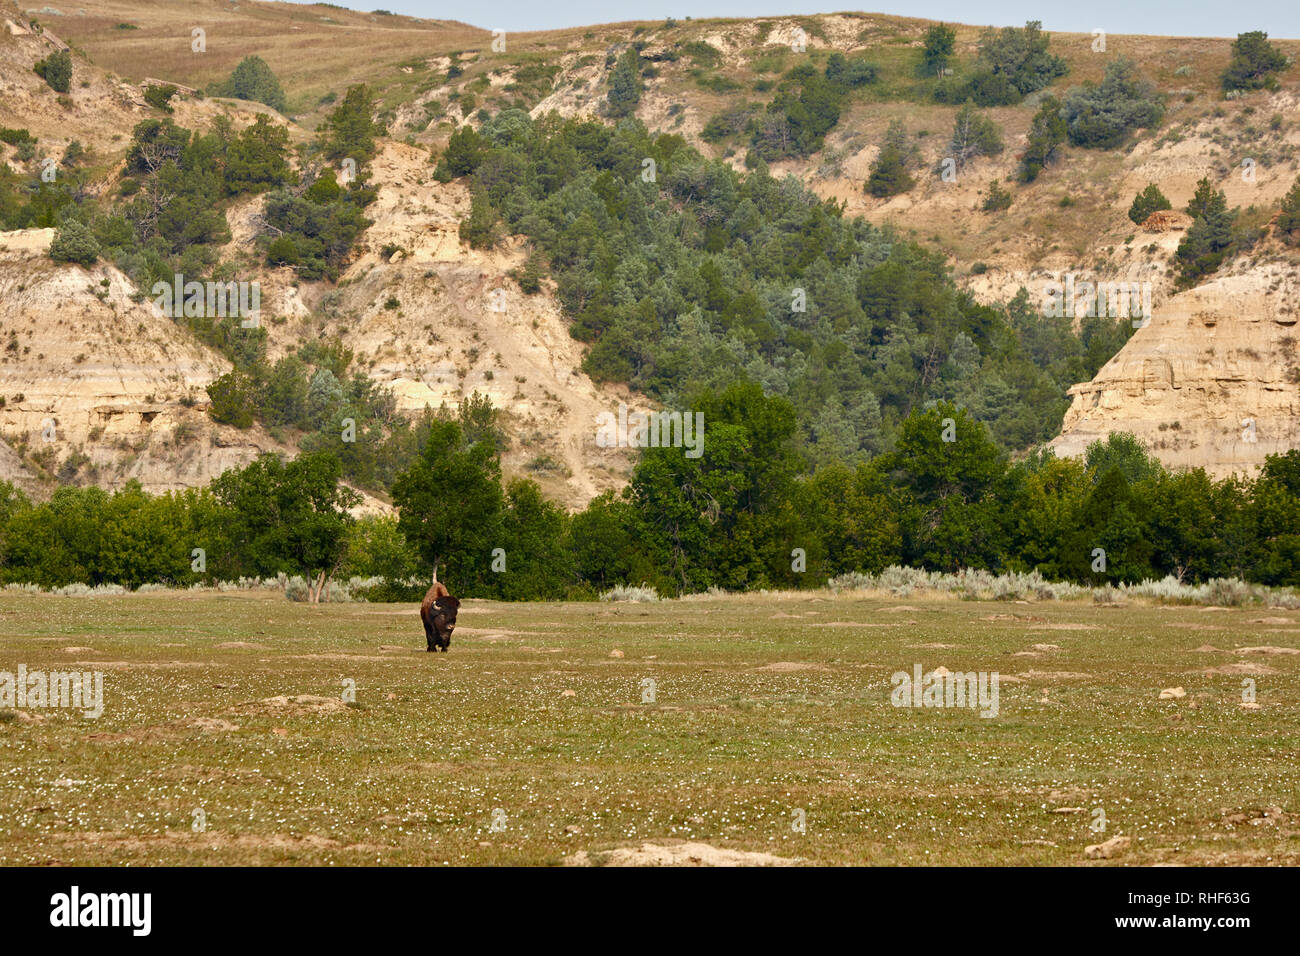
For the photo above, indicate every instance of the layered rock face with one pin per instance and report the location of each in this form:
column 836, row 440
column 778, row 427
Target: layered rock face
column 1212, row 381
column 89, row 375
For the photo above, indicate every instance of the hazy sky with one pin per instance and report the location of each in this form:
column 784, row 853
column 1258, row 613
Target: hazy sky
column 1280, row 18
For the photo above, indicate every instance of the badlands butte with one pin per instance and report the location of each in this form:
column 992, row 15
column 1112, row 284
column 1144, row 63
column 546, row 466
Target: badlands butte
column 1211, row 380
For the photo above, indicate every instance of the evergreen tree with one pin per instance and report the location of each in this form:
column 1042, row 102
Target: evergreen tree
column 625, row 84
column 253, row 80
column 1254, row 61
column 889, row 175
column 1046, row 133
column 350, row 129
column 74, row 242
column 1288, row 221
column 1146, row 202
column 56, row 70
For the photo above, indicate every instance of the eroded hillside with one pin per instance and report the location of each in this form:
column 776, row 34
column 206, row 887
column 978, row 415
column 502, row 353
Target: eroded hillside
column 437, row 321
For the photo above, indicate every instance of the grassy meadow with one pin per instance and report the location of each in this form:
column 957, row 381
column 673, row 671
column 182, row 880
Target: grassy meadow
column 535, row 738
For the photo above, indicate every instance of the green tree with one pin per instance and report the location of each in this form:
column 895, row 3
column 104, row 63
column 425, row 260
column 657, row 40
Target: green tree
column 159, row 96
column 889, row 175
column 1288, row 220
column 1254, row 61
column 537, row 564
column 723, row 518
column 451, row 506
column 973, row 134
column 944, row 466
column 1208, row 242
column 256, row 159
column 1047, row 132
column 1021, row 57
column 1146, row 202
column 1102, row 116
column 350, row 129
column 56, row 70
column 625, row 84
column 74, row 242
column 291, row 517
column 462, row 156
column 937, row 49
column 479, row 228
column 253, row 80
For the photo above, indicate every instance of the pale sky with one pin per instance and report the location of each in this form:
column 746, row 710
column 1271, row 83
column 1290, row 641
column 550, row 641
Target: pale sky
column 1214, row 18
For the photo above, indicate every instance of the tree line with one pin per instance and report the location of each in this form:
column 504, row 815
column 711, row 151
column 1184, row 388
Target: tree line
column 751, row 512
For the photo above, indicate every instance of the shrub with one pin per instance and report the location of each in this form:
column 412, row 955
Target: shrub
column 74, row 242
column 56, row 70
column 996, row 199
column 627, row 592
column 159, row 96
column 15, row 137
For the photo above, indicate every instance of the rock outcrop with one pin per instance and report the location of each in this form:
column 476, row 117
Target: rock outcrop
column 1212, row 381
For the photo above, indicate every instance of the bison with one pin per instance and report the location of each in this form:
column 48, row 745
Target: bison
column 438, row 612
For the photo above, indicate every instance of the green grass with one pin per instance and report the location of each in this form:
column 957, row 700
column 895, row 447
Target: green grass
column 725, row 755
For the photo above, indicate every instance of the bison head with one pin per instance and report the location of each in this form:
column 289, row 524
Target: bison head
column 444, row 618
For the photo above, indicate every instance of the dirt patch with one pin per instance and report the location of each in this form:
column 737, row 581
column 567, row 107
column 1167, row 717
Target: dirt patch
column 1269, row 816
column 932, row 646
column 1241, row 667
column 1053, row 675
column 1064, row 626
column 679, row 854
column 788, row 667
column 301, row 704
column 237, row 645
column 1271, row 620
column 857, row 624
column 898, row 607
column 1265, row 649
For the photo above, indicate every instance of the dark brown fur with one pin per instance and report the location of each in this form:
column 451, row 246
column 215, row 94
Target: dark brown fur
column 438, row 612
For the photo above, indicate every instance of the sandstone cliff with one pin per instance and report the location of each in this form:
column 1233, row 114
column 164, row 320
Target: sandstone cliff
column 1212, row 381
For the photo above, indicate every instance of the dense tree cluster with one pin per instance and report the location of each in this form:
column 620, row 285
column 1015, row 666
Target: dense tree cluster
column 1102, row 116
column 697, row 276
column 1013, row 62
column 750, row 512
